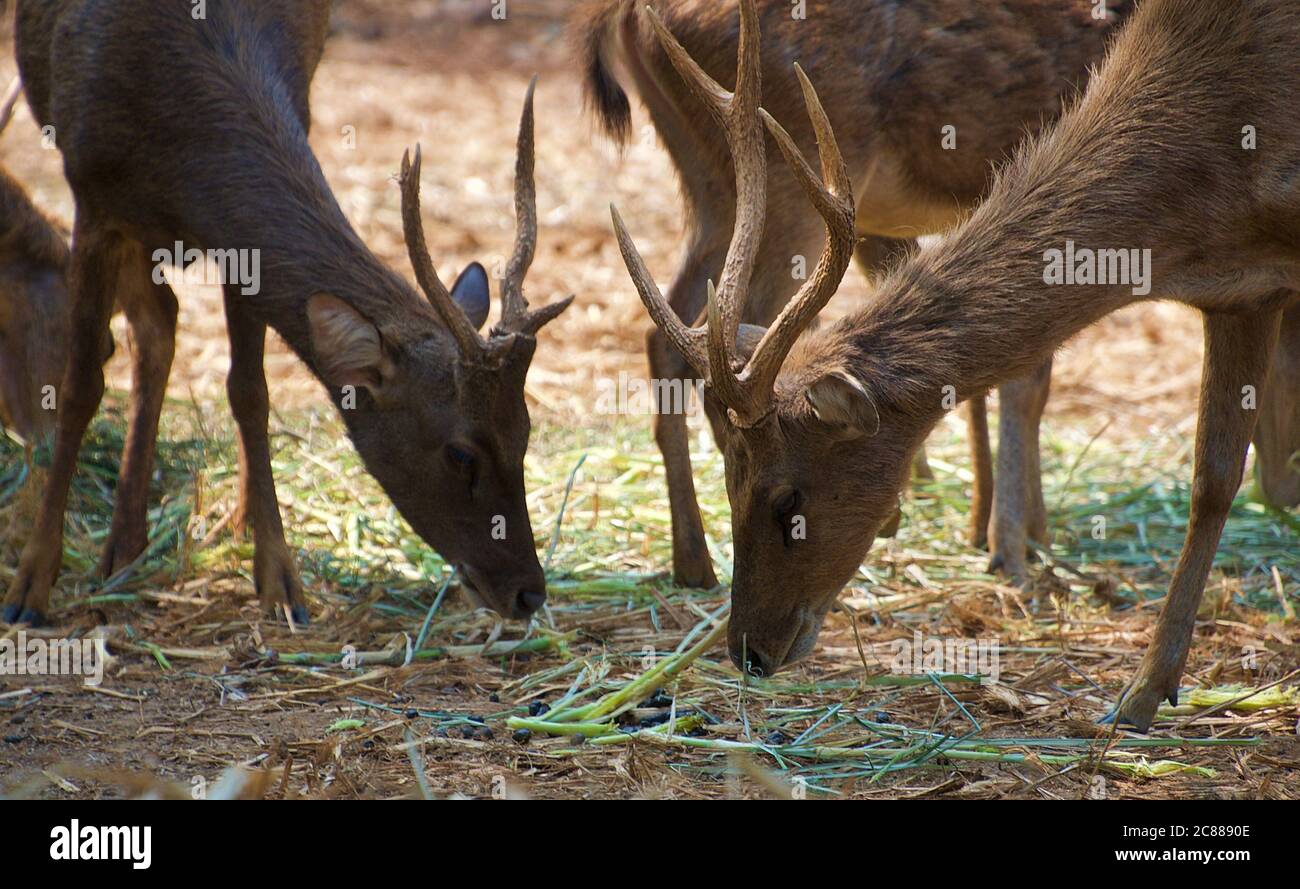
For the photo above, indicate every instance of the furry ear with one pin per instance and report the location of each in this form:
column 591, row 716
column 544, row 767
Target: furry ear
column 471, row 293
column 347, row 347
column 839, row 400
column 747, row 339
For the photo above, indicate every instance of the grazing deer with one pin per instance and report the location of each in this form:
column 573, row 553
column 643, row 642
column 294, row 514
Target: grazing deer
column 180, row 128
column 819, row 431
column 927, row 97
column 33, row 306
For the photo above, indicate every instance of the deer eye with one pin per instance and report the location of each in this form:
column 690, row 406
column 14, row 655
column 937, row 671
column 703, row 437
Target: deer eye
column 459, row 458
column 786, row 505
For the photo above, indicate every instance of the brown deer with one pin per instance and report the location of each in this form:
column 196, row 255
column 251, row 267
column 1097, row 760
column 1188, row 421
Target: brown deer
column 175, row 127
column 819, row 431
column 901, row 77
column 33, row 306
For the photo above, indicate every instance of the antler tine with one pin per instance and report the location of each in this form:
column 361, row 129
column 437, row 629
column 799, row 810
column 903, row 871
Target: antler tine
column 472, row 346
column 834, row 201
column 737, row 112
column 9, row 101
column 514, row 306
column 688, row 340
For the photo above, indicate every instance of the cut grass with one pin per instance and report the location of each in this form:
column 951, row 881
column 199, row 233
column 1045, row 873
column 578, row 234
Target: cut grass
column 605, row 561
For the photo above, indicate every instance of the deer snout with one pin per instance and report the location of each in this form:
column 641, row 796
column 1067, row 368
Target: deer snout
column 528, row 600
column 514, row 598
column 751, row 659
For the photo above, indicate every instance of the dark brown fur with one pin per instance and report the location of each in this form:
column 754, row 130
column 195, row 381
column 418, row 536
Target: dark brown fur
column 33, row 313
column 172, row 129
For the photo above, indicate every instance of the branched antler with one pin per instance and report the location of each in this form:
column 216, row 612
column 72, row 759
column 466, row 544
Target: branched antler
column 711, row 350
column 515, row 315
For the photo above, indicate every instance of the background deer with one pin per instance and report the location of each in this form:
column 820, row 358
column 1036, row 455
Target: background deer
column 819, row 432
column 896, row 78
column 33, row 305
column 177, row 128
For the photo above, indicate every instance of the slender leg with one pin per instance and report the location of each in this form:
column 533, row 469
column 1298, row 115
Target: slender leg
column 151, row 311
column 274, row 574
column 981, row 500
column 1018, row 510
column 921, row 470
column 1277, row 434
column 96, row 258
column 1238, row 349
column 692, row 564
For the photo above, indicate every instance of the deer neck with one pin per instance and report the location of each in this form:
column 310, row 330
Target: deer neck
column 277, row 210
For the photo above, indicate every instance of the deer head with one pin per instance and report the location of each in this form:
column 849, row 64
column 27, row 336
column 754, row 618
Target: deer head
column 806, row 500
column 445, row 435
column 34, row 306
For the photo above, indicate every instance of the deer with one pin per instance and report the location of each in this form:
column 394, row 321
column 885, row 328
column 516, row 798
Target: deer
column 175, row 127
column 33, row 306
column 820, row 426
column 928, row 98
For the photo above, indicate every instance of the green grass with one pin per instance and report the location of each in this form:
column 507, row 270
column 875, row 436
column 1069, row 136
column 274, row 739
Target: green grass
column 616, row 530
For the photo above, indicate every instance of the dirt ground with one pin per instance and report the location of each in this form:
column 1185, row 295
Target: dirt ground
column 449, row 77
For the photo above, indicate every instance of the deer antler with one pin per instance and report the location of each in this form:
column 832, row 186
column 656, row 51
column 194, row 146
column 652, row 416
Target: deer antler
column 833, row 198
column 515, row 316
column 10, row 99
column 472, row 346
column 711, row 350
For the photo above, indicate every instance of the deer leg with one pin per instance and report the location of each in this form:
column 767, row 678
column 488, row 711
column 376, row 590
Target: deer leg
column 151, row 311
column 1018, row 511
column 692, row 564
column 1237, row 353
column 275, row 576
column 92, row 270
column 981, row 499
column 1277, row 434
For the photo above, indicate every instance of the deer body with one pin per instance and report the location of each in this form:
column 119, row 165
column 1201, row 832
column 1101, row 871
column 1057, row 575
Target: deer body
column 928, row 96
column 822, row 429
column 177, row 129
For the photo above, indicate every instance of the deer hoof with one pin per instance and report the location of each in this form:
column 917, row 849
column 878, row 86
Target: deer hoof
column 32, row 618
column 29, row 593
column 1138, row 704
column 278, row 587
column 696, row 576
column 120, row 551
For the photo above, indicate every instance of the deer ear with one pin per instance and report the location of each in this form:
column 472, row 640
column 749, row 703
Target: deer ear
column 841, row 401
column 470, row 292
column 347, row 347
column 747, row 339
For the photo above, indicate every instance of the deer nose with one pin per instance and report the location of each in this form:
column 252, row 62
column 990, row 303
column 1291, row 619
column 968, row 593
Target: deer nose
column 529, row 600
column 749, row 660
